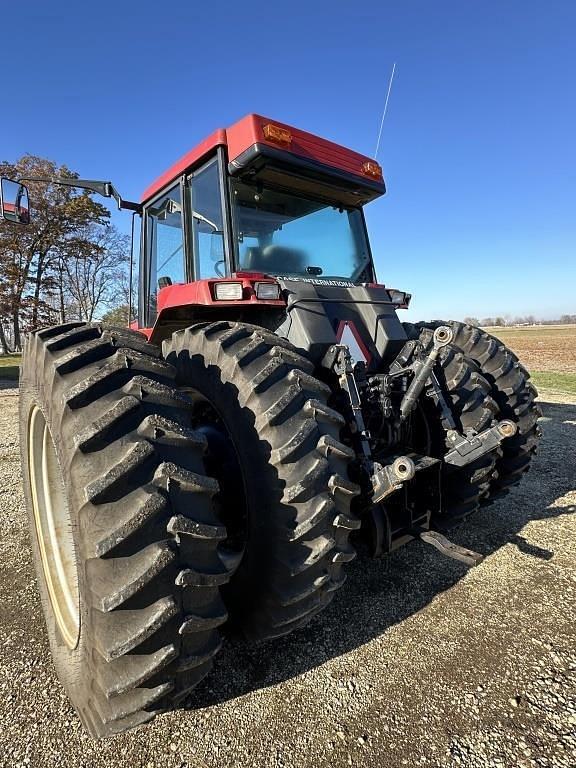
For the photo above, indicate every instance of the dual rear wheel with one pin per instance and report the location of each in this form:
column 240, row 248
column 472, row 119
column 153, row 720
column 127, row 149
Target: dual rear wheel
column 170, row 493
column 274, row 446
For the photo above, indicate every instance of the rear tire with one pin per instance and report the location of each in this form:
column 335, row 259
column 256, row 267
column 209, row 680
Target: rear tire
column 291, row 483
column 515, row 396
column 129, row 579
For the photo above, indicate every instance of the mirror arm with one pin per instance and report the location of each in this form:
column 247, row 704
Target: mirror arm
column 104, row 188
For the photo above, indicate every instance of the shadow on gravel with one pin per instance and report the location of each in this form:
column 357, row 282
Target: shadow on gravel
column 381, row 593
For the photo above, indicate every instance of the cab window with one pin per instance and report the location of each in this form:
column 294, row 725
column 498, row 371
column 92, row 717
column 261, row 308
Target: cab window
column 279, row 232
column 164, row 244
column 207, row 222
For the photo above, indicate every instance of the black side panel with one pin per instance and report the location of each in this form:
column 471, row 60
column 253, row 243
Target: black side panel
column 316, row 310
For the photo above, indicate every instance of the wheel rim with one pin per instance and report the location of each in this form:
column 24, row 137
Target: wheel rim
column 53, row 528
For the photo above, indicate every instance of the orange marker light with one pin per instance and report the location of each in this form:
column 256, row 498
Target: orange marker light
column 371, row 168
column 277, row 134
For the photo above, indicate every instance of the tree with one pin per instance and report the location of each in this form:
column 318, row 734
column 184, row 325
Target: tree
column 488, row 322
column 94, row 263
column 116, row 316
column 472, row 321
column 28, row 252
column 499, row 321
column 5, row 314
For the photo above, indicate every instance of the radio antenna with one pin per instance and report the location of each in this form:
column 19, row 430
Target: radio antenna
column 385, row 110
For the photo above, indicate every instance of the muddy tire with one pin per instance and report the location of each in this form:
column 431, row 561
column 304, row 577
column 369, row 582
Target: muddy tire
column 463, row 488
column 284, row 475
column 515, row 396
column 124, row 535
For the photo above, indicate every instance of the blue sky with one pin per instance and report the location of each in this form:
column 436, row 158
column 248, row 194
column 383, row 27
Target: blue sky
column 478, row 147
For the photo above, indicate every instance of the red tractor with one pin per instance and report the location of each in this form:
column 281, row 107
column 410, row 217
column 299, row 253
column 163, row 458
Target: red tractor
column 214, row 467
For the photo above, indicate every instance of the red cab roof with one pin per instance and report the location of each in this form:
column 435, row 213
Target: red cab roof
column 250, row 131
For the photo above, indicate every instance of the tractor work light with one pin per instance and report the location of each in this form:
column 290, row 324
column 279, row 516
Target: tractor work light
column 275, row 133
column 267, row 291
column 228, row 291
column 372, row 168
column 400, row 298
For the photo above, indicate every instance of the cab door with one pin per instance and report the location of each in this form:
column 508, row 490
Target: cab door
column 164, row 255
column 185, row 235
column 207, row 221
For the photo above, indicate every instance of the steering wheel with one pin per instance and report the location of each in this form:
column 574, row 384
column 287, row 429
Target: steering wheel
column 217, row 268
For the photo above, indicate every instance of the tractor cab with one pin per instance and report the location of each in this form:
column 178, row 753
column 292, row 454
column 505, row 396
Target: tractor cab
column 258, row 199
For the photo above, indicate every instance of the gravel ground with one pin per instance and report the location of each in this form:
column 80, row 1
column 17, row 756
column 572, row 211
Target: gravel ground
column 417, row 661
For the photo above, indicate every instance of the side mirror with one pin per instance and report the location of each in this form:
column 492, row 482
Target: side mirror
column 14, row 203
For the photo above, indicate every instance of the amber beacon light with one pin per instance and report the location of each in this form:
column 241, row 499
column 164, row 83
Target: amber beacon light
column 372, row 168
column 275, row 133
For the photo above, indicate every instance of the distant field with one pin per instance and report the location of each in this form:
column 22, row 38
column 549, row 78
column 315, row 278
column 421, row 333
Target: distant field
column 9, row 366
column 548, row 351
column 556, row 382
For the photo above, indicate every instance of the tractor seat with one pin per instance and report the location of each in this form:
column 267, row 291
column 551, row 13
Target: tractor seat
column 278, row 259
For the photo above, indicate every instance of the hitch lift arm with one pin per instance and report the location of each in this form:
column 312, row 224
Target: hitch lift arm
column 463, row 449
column 384, row 479
column 443, row 335
column 467, row 449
